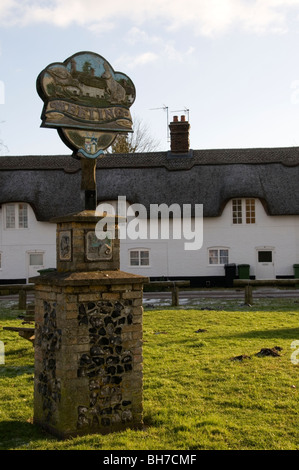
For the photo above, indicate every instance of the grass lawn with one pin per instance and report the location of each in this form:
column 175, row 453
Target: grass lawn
column 195, row 396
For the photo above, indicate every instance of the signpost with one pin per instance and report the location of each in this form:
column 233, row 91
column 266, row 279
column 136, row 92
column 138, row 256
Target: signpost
column 88, row 314
column 89, row 105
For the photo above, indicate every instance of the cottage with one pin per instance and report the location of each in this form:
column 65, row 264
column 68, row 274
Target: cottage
column 250, row 203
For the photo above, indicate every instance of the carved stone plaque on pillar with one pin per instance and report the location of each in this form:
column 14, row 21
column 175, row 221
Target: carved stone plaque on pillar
column 65, row 245
column 95, row 249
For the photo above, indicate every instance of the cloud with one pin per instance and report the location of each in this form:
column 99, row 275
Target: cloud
column 133, row 61
column 205, row 17
column 173, row 54
column 136, row 35
column 6, row 8
column 164, row 49
column 167, row 53
column 100, row 28
column 214, row 17
column 263, row 16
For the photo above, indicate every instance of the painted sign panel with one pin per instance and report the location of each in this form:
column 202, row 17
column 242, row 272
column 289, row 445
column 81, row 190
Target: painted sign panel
column 86, row 101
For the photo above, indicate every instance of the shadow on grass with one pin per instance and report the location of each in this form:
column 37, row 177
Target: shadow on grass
column 14, row 371
column 15, row 434
column 276, row 333
column 18, row 352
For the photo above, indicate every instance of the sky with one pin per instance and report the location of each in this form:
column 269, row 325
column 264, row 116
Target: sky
column 230, row 66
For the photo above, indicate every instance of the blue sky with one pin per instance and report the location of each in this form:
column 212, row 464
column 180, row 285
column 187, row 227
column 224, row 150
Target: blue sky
column 234, row 64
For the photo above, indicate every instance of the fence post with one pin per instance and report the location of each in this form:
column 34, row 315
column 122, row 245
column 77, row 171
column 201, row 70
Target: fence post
column 248, row 295
column 175, row 296
column 22, row 299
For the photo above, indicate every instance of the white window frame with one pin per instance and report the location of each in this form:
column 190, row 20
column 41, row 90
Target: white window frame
column 243, row 211
column 1, row 260
column 17, row 216
column 139, row 259
column 42, row 253
column 218, row 249
column 237, row 211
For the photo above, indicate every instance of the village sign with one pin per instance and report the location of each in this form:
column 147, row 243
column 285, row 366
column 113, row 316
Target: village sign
column 87, row 102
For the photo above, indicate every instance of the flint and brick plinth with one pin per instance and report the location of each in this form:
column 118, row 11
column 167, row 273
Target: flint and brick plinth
column 88, row 338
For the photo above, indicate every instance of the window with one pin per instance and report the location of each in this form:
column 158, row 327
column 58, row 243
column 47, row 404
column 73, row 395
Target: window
column 218, row 256
column 36, row 259
column 243, row 210
column 16, row 215
column 139, row 258
column 250, row 211
column 10, row 216
column 0, row 260
column 265, row 256
column 23, row 215
column 237, row 211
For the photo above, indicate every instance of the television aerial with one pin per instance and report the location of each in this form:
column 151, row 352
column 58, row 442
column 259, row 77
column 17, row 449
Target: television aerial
column 185, row 110
column 165, row 108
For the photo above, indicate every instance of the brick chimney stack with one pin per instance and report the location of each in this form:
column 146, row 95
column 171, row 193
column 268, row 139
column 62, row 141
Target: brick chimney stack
column 179, row 135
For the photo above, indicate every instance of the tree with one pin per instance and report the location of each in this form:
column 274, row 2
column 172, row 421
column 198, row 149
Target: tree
column 140, row 140
column 86, row 67
column 3, row 147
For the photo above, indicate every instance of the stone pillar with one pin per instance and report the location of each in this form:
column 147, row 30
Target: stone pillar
column 88, row 337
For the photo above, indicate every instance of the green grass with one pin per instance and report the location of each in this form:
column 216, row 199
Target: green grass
column 195, row 396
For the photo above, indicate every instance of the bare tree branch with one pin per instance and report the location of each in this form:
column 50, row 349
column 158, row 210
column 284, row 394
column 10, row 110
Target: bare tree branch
column 138, row 141
column 3, row 147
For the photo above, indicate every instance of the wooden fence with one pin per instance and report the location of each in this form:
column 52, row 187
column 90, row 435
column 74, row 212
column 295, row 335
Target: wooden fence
column 17, row 289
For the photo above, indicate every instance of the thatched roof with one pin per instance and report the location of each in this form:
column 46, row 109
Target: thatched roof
column 51, row 184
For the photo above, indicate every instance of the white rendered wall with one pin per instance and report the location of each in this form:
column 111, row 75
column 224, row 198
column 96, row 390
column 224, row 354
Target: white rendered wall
column 17, row 244
column 280, row 233
column 167, row 258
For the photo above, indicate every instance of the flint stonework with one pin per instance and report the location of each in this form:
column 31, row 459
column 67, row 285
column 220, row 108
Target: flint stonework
column 88, row 357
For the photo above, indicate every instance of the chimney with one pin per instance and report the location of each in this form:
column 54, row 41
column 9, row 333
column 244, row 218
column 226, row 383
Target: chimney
column 179, row 135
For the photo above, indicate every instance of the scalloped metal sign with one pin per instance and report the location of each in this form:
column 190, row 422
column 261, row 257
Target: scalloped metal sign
column 87, row 102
